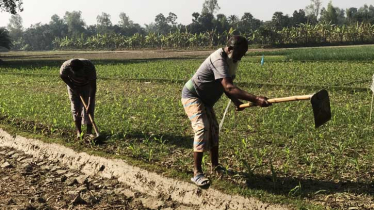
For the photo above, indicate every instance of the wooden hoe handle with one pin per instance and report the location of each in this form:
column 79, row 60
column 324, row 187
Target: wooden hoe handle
column 279, row 100
column 89, row 116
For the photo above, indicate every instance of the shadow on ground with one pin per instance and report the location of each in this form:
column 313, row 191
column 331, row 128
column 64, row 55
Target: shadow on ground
column 178, row 141
column 300, row 187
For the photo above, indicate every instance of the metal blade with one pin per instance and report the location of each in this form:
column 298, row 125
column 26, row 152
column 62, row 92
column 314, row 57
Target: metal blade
column 321, row 108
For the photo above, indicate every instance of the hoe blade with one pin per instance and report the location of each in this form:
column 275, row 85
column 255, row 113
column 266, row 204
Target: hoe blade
column 321, row 107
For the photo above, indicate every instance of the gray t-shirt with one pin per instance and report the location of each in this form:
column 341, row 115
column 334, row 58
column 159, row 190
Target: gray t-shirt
column 89, row 72
column 207, row 79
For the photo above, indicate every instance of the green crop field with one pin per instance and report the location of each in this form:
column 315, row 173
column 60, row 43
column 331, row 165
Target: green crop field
column 275, row 153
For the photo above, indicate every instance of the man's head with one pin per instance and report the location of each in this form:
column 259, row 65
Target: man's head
column 237, row 47
column 77, row 67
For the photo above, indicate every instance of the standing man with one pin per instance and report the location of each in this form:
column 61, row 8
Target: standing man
column 80, row 77
column 213, row 78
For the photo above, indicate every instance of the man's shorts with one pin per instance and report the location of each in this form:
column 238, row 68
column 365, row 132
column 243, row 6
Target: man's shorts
column 204, row 124
column 77, row 108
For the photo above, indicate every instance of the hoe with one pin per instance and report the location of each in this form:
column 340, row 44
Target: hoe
column 320, row 103
column 91, row 119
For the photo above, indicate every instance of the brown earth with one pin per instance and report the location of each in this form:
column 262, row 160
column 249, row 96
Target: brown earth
column 111, row 55
column 103, row 55
column 31, row 183
column 37, row 175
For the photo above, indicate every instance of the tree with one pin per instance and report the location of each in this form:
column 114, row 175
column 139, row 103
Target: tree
column 210, row 7
column 196, row 16
column 351, row 14
column 298, row 17
column 160, row 19
column 103, row 23
column 195, row 26
column 247, row 17
column 248, row 23
column 127, row 27
column 124, row 20
column 280, row 21
column 330, row 14
column 161, row 24
column 91, row 30
column 164, row 24
column 313, row 9
column 222, row 24
column 206, row 21
column 15, row 27
column 365, row 14
column 75, row 23
column 341, row 16
column 11, row 6
column 233, row 20
column 38, row 37
column 371, row 14
column 5, row 40
column 172, row 18
column 58, row 27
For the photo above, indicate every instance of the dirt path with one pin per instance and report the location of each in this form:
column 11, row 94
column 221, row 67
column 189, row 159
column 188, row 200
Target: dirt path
column 31, row 183
column 36, row 175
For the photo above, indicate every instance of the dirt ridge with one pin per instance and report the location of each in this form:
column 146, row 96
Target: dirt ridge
column 138, row 179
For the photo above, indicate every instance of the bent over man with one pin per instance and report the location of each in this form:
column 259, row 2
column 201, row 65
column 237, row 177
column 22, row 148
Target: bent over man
column 80, row 77
column 213, row 78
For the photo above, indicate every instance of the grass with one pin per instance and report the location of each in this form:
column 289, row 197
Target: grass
column 363, row 53
column 275, row 152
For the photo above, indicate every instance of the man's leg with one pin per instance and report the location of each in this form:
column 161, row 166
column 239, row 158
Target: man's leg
column 195, row 112
column 214, row 156
column 213, row 136
column 89, row 128
column 75, row 110
column 197, row 157
column 78, row 125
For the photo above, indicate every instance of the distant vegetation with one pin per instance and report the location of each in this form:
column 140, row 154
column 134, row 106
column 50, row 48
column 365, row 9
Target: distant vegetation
column 362, row 53
column 312, row 26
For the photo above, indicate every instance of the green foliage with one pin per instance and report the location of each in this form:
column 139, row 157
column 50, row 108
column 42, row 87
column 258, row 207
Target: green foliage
column 305, row 34
column 103, row 23
column 75, row 23
column 362, row 53
column 5, row 38
column 210, row 6
column 276, row 153
column 353, row 53
column 11, row 6
column 206, row 30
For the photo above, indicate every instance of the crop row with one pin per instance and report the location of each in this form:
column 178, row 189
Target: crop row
column 318, row 74
column 144, row 119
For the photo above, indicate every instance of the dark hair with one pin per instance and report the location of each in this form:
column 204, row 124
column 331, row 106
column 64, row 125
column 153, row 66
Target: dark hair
column 76, row 64
column 238, row 42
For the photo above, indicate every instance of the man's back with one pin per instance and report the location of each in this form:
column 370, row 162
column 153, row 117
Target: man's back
column 82, row 78
column 207, row 77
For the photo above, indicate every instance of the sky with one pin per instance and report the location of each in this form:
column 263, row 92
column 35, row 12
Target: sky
column 144, row 11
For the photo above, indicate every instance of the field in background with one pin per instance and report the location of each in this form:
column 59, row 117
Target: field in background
column 275, row 153
column 364, row 53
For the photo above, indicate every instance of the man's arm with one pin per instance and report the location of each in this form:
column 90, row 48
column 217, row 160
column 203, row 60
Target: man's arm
column 235, row 101
column 92, row 92
column 74, row 88
column 235, row 93
column 67, row 81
